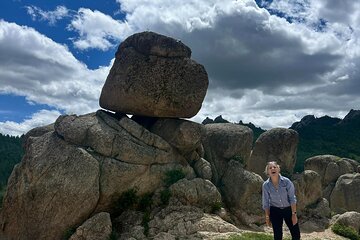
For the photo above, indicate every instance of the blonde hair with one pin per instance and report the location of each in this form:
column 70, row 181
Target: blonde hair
column 267, row 167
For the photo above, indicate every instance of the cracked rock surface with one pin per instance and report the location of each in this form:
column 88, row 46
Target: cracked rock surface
column 80, row 169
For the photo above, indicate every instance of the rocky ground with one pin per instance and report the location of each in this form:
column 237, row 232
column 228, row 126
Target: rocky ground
column 325, row 235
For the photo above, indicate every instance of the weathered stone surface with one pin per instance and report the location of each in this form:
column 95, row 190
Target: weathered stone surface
column 150, row 43
column 315, row 217
column 349, row 219
column 242, row 192
column 173, row 222
column 59, row 184
column 321, row 209
column 224, row 141
column 122, row 139
column 149, row 78
column 187, row 222
column 129, row 225
column 196, row 192
column 277, row 144
column 203, row 169
column 38, row 132
column 182, row 134
column 308, row 189
column 54, row 188
column 346, row 194
column 118, row 177
column 98, row 227
column 329, row 167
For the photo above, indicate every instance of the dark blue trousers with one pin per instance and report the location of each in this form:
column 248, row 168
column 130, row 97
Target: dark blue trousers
column 277, row 217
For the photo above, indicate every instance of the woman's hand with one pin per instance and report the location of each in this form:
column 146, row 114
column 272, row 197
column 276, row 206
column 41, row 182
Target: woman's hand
column 294, row 219
column 267, row 220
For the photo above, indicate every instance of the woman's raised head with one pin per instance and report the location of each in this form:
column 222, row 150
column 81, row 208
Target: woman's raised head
column 272, row 166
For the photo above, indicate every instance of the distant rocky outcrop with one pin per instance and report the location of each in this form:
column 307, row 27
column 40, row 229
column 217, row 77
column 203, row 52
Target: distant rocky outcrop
column 352, row 117
column 310, row 120
column 328, row 135
column 154, row 76
column 218, row 119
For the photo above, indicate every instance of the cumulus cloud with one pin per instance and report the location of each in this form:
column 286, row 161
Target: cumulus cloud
column 52, row 17
column 45, row 72
column 41, row 118
column 269, row 65
column 97, row 30
column 286, row 58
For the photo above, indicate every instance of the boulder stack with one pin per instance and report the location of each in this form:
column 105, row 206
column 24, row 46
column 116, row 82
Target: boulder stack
column 154, row 76
column 104, row 175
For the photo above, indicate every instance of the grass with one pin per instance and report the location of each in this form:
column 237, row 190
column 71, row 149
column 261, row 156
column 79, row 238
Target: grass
column 345, row 231
column 252, row 236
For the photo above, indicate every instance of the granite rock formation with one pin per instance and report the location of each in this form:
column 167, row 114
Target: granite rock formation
column 154, row 76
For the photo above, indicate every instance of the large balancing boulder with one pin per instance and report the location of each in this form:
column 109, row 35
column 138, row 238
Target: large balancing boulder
column 154, row 76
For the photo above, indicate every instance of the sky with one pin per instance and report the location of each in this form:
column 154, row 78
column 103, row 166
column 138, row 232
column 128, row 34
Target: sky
column 269, row 62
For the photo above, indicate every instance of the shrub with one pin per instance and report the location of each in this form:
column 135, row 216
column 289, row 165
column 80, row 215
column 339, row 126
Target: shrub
column 145, row 222
column 68, row 233
column 127, row 200
column 165, row 196
column 145, row 202
column 286, row 174
column 113, row 236
column 216, row 206
column 239, row 159
column 345, row 231
column 173, row 176
column 2, row 193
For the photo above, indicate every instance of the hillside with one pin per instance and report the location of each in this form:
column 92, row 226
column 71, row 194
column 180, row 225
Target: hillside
column 11, row 153
column 317, row 136
column 327, row 135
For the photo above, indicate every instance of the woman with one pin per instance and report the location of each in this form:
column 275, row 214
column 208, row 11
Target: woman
column 279, row 202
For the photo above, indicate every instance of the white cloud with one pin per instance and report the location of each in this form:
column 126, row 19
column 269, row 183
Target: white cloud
column 45, row 72
column 260, row 64
column 52, row 17
column 262, row 67
column 41, row 118
column 97, row 30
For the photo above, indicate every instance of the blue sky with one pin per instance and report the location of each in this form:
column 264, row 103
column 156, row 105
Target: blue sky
column 269, row 62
